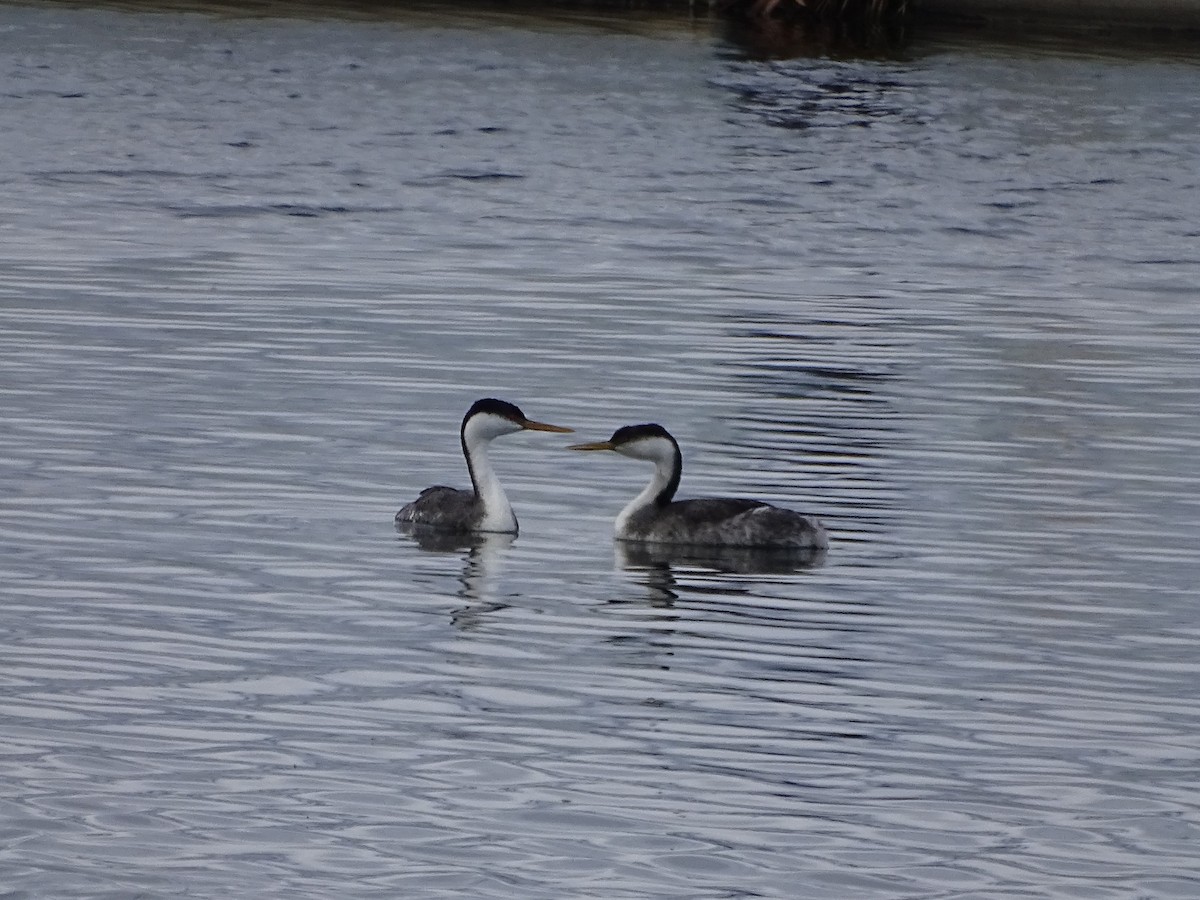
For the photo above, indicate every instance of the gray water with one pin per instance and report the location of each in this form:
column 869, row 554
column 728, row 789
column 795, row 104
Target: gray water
column 254, row 270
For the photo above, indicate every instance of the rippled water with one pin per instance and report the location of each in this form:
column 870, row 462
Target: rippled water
column 252, row 272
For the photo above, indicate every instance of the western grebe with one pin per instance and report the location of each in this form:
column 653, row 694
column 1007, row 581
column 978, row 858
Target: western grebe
column 485, row 507
column 654, row 517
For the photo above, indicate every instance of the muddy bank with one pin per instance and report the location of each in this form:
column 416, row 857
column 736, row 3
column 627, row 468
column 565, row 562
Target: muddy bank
column 1183, row 14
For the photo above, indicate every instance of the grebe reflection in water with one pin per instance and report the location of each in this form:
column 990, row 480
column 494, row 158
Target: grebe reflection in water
column 634, row 555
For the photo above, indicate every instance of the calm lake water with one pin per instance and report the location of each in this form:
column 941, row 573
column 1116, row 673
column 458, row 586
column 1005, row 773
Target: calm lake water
column 254, row 270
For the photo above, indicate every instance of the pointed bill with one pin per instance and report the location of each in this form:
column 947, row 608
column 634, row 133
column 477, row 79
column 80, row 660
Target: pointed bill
column 597, row 445
column 542, row 426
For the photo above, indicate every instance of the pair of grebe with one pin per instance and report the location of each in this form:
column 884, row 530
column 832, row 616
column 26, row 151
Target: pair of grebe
column 653, row 516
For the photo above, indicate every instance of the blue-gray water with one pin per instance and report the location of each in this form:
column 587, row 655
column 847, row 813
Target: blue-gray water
column 252, row 273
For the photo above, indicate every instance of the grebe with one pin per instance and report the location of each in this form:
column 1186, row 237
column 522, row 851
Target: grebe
column 652, row 516
column 485, row 507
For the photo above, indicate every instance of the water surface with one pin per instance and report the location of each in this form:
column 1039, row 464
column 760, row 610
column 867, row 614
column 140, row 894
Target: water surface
column 253, row 271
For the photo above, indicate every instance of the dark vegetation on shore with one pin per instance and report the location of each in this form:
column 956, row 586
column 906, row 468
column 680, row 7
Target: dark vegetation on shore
column 767, row 29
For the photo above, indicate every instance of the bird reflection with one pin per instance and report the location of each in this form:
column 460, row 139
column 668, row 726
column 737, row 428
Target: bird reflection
column 732, row 560
column 654, row 565
column 658, row 579
column 481, row 554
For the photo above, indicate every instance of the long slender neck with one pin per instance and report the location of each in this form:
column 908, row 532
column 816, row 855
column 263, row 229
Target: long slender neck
column 497, row 511
column 668, row 467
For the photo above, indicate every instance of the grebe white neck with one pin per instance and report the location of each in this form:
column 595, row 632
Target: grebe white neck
column 477, row 433
column 668, row 465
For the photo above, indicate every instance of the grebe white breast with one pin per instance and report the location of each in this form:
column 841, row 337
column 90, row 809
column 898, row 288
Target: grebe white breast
column 654, row 516
column 485, row 507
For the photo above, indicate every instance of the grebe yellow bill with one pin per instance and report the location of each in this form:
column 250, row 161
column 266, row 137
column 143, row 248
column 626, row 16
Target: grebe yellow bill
column 654, row 516
column 485, row 507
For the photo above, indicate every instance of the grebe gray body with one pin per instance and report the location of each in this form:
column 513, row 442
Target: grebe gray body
column 485, row 507
column 654, row 516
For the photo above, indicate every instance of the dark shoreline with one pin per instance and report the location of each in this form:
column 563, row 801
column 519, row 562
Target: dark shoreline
column 1086, row 14
column 773, row 28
